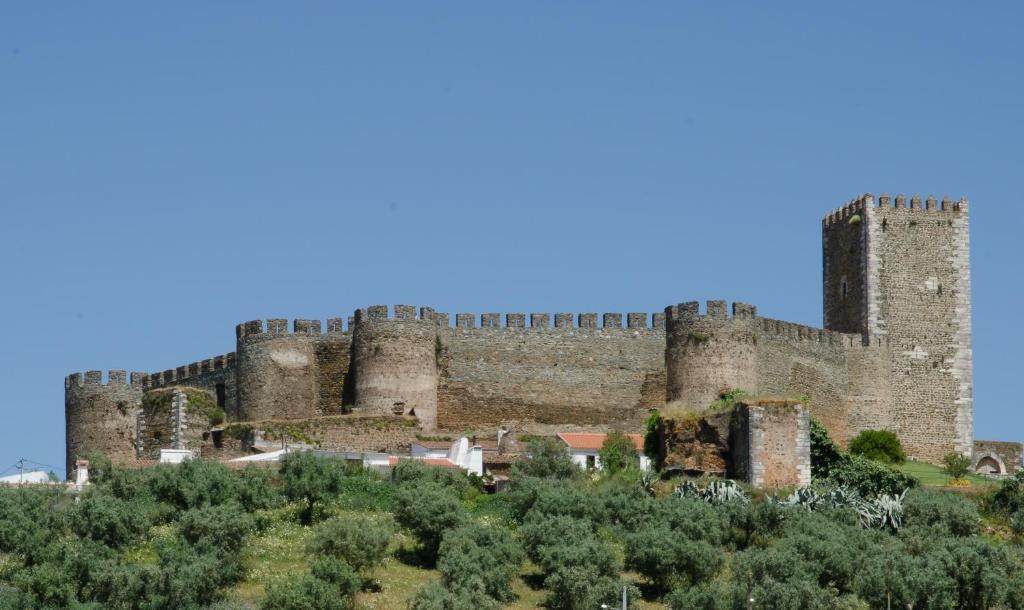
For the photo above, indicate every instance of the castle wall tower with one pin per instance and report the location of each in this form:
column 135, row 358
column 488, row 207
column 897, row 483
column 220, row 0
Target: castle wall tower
column 395, row 361
column 101, row 416
column 707, row 355
column 281, row 374
column 900, row 270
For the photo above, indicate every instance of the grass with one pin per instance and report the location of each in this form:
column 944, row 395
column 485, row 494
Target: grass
column 933, row 476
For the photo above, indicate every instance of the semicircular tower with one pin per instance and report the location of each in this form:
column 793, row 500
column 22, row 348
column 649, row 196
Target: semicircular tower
column 708, row 355
column 395, row 362
column 101, row 416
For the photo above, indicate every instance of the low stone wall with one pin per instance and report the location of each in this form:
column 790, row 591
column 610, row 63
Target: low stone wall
column 996, row 457
column 352, row 432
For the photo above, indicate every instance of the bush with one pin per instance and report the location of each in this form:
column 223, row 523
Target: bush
column 1007, row 499
column 310, row 479
column 337, row 572
column 878, row 445
column 479, row 559
column 416, row 471
column 666, row 558
column 428, row 510
column 541, row 530
column 549, row 459
column 304, row 593
column 582, row 587
column 869, row 478
column 651, row 437
column 192, row 484
column 954, row 513
column 618, row 452
column 957, row 465
column 825, row 453
column 359, row 540
column 216, row 529
column 110, row 520
column 436, row 597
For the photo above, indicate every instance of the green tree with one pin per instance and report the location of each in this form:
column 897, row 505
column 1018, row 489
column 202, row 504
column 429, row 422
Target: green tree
column 310, row 479
column 305, row 592
column 549, row 459
column 878, row 445
column 110, row 520
column 436, row 596
column 618, row 452
column 337, row 572
column 668, row 559
column 360, row 540
column 480, row 559
column 428, row 510
column 957, row 465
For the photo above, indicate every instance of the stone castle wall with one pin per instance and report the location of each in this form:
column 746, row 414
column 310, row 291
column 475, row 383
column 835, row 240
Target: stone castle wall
column 895, row 353
column 570, row 373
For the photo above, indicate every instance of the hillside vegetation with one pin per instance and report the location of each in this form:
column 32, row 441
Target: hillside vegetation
column 314, row 534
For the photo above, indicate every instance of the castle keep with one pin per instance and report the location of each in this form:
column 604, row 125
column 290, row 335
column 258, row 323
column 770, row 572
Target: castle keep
column 894, row 353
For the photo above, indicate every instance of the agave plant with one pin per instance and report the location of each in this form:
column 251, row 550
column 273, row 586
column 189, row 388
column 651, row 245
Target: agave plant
column 889, row 510
column 646, row 483
column 803, row 497
column 716, row 492
column 688, row 489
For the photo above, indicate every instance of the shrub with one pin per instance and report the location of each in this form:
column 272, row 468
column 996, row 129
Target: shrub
column 549, row 459
column 869, row 478
column 618, row 452
column 1008, row 498
column 667, row 559
column 956, row 514
column 216, row 529
column 582, row 587
column 957, row 465
column 825, row 453
column 541, row 530
column 416, row 471
column 651, row 437
column 359, row 540
column 428, row 510
column 481, row 559
column 713, row 595
column 192, row 484
column 879, row 446
column 436, row 597
column 337, row 572
column 256, row 490
column 305, row 592
column 310, row 479
column 110, row 520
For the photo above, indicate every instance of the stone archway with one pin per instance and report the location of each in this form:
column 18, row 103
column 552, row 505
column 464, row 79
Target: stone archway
column 989, row 464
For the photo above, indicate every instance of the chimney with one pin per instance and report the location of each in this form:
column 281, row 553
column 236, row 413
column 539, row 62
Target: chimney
column 81, row 472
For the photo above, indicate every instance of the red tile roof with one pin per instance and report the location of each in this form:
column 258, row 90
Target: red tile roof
column 594, row 440
column 444, row 462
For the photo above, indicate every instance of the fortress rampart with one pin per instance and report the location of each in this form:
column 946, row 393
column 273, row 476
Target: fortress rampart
column 894, row 353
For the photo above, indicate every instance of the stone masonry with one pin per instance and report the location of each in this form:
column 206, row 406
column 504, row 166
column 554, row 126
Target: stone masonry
column 894, row 353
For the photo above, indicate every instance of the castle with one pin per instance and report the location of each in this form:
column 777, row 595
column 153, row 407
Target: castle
column 894, row 353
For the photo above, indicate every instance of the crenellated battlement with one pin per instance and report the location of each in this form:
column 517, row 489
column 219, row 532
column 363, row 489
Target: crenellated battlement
column 562, row 320
column 799, row 332
column 857, row 206
column 189, row 371
column 276, row 327
column 114, row 377
column 712, row 309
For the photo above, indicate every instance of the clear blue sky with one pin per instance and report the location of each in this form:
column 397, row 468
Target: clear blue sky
column 170, row 169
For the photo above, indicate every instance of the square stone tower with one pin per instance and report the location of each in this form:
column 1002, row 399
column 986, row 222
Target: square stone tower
column 899, row 274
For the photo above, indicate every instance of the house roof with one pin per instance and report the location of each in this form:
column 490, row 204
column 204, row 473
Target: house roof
column 443, row 462
column 593, row 440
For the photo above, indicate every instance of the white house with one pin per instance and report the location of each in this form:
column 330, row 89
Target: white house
column 458, row 453
column 585, row 448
